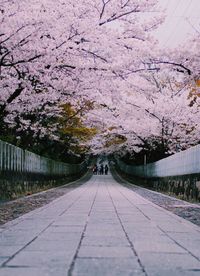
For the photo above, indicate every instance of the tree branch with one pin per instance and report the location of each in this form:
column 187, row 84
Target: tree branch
column 115, row 16
column 146, row 110
column 95, row 55
column 21, row 61
column 16, row 93
column 176, row 64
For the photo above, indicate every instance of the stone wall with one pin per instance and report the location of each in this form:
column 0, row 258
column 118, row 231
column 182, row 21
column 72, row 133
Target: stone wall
column 185, row 187
column 177, row 175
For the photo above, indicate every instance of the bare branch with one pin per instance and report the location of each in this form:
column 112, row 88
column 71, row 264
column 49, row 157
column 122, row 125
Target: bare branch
column 103, row 8
column 16, row 93
column 22, row 61
column 17, row 31
column 115, row 16
column 125, row 4
column 102, row 11
column 174, row 63
column 67, row 66
column 157, row 83
column 95, row 55
column 146, row 110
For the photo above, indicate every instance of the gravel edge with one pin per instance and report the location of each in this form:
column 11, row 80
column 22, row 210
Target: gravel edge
column 183, row 209
column 13, row 209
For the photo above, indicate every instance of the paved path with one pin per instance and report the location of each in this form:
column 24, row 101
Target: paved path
column 100, row 228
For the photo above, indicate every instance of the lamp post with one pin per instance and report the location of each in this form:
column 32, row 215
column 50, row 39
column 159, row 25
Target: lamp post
column 145, row 168
column 145, row 159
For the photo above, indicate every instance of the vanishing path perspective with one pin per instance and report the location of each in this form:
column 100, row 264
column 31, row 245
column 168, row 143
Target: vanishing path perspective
column 100, row 228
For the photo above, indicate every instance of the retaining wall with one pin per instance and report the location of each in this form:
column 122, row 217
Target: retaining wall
column 21, row 171
column 178, row 174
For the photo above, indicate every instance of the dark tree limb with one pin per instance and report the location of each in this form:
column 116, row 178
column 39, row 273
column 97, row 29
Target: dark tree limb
column 175, row 64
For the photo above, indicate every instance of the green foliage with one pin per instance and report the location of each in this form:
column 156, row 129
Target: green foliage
column 72, row 129
column 153, row 151
column 114, row 139
column 72, row 135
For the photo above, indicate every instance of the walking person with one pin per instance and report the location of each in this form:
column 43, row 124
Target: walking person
column 106, row 169
column 101, row 169
column 95, row 169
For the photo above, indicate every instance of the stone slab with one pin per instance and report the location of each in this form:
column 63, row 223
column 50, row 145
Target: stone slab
column 105, row 252
column 108, row 267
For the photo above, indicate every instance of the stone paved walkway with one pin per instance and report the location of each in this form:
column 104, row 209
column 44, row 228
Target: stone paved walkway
column 187, row 210
column 100, row 228
column 12, row 209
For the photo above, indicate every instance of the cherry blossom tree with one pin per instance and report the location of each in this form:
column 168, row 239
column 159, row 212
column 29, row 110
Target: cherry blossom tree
column 51, row 54
column 101, row 53
column 156, row 116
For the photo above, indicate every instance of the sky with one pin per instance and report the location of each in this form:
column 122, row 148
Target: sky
column 183, row 20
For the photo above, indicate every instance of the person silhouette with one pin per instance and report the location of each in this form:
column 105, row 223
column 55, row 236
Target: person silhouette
column 95, row 169
column 101, row 169
column 106, row 169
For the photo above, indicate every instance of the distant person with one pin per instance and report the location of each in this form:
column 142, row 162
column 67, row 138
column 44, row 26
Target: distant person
column 106, row 169
column 95, row 169
column 101, row 169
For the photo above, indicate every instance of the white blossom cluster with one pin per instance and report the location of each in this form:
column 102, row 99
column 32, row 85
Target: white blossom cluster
column 52, row 53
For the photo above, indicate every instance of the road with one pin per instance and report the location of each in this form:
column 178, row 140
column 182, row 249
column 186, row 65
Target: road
column 100, row 228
